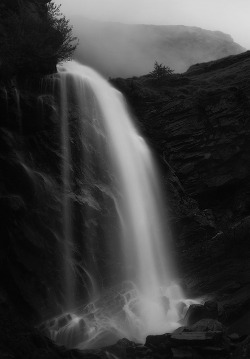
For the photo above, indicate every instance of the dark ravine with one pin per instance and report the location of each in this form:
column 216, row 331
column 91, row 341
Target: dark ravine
column 198, row 124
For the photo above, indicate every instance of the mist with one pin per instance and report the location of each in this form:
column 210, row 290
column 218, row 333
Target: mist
column 125, row 50
column 229, row 16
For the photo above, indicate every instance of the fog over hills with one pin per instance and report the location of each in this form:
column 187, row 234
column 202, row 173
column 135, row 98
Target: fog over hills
column 117, row 49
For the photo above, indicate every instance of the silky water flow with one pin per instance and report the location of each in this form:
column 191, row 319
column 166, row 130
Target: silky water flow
column 113, row 159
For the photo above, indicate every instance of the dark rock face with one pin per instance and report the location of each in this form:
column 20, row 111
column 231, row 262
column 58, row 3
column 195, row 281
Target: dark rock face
column 198, row 124
column 197, row 312
column 194, row 314
column 190, row 344
column 243, row 351
column 196, row 338
column 206, row 325
column 205, row 339
column 33, row 39
column 201, row 129
column 29, row 205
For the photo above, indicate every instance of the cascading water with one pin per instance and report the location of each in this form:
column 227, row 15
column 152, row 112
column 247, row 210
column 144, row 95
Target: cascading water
column 108, row 168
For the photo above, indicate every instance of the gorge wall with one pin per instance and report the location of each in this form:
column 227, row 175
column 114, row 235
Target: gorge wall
column 198, row 124
column 30, row 178
column 29, row 171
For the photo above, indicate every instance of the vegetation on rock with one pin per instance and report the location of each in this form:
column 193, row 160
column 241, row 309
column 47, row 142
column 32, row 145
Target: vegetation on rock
column 35, row 36
column 160, row 71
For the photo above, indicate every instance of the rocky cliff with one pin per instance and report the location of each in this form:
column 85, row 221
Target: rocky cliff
column 30, row 184
column 29, row 140
column 198, row 124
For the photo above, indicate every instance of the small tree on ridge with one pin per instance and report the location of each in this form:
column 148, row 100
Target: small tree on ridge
column 160, row 71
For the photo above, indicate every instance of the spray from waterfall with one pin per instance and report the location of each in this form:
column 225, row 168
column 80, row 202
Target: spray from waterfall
column 116, row 243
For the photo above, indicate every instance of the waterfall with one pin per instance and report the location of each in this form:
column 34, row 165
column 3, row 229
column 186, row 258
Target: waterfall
column 116, row 242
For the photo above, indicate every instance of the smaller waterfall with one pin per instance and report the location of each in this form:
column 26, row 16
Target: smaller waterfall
column 18, row 110
column 5, row 96
column 67, row 218
column 116, row 238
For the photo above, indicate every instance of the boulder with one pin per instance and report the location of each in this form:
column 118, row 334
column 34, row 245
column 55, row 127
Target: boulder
column 234, row 337
column 243, row 351
column 211, row 308
column 182, row 353
column 206, row 325
column 203, row 325
column 156, row 340
column 159, row 344
column 195, row 338
column 197, row 312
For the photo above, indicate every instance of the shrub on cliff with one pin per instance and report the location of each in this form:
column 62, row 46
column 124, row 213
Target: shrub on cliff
column 63, row 41
column 34, row 37
column 160, row 71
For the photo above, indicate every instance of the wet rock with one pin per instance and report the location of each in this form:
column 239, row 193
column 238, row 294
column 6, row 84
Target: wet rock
column 211, row 308
column 236, row 307
column 125, row 348
column 205, row 325
column 69, row 333
column 182, row 353
column 156, row 340
column 205, row 339
column 125, row 343
column 219, row 352
column 234, row 337
column 230, row 288
column 19, row 178
column 143, row 352
column 62, row 321
column 197, row 312
column 180, row 330
column 195, row 338
column 243, row 351
column 159, row 344
column 52, row 323
column 194, row 314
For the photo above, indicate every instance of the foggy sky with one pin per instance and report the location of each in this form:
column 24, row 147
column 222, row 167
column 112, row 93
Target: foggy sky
column 229, row 16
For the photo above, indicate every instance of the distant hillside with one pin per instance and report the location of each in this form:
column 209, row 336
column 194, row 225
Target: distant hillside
column 130, row 50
